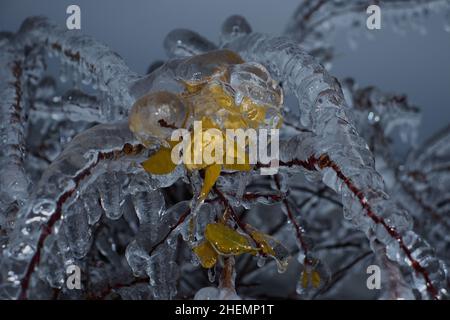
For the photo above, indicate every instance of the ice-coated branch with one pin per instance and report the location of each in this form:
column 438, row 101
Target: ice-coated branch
column 75, row 105
column 380, row 117
column 311, row 15
column 109, row 147
column 341, row 156
column 93, row 61
column 394, row 285
column 423, row 186
column 152, row 252
column 314, row 21
column 13, row 113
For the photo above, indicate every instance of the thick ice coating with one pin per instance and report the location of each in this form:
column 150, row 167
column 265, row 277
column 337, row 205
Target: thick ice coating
column 221, row 92
column 155, row 115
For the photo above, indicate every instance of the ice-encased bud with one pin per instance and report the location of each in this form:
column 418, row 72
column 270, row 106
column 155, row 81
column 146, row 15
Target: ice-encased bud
column 233, row 95
column 155, row 115
column 252, row 80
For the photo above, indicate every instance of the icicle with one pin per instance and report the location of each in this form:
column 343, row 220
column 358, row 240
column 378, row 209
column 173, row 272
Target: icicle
column 77, row 230
column 109, row 189
column 163, row 273
column 149, row 206
column 137, row 258
column 60, row 185
column 92, row 206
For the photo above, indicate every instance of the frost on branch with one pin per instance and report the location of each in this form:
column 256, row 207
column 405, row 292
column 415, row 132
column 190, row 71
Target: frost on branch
column 87, row 179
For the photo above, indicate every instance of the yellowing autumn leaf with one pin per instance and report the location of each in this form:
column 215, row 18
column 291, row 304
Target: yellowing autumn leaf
column 262, row 240
column 206, row 254
column 212, row 173
column 310, row 277
column 227, row 241
column 160, row 162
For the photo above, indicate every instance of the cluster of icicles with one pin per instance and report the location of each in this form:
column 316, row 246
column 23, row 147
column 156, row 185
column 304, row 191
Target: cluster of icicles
column 73, row 189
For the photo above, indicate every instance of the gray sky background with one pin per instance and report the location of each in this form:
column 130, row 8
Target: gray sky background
column 413, row 64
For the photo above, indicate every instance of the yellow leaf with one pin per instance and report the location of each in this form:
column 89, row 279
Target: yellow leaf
column 315, row 279
column 271, row 247
column 208, row 123
column 212, row 173
column 310, row 277
column 227, row 241
column 160, row 162
column 263, row 241
column 206, row 253
column 305, row 279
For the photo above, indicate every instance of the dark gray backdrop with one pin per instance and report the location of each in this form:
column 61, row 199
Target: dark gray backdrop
column 414, row 64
